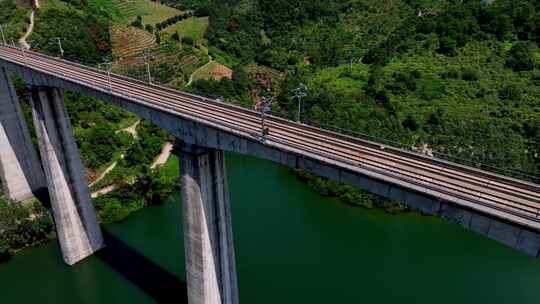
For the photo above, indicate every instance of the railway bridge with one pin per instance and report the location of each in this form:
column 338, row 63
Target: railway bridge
column 500, row 207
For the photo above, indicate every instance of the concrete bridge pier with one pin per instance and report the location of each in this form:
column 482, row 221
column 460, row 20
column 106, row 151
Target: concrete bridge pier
column 208, row 237
column 76, row 223
column 20, row 170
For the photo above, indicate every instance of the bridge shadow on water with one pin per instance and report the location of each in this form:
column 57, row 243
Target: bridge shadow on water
column 152, row 279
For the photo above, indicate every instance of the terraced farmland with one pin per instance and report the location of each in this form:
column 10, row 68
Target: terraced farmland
column 127, row 7
column 151, row 12
column 128, row 41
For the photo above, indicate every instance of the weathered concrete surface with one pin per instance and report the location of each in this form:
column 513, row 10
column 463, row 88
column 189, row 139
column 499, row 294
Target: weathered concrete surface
column 76, row 223
column 202, row 133
column 208, row 238
column 20, row 169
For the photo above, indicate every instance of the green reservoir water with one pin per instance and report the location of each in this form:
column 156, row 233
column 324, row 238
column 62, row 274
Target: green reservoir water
column 294, row 246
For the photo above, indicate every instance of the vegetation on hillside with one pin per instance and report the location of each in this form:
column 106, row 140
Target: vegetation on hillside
column 457, row 77
column 150, row 187
column 137, row 157
column 95, row 125
column 83, row 28
column 22, row 226
column 15, row 20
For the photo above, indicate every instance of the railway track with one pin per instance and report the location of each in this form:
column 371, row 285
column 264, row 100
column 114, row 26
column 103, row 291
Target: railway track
column 505, row 197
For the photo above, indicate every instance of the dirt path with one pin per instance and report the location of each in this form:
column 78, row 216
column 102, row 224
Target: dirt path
column 104, row 191
column 104, row 173
column 23, row 41
column 160, row 160
column 210, row 61
column 163, row 156
column 131, row 130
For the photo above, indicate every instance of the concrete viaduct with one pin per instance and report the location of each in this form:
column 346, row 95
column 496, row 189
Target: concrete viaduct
column 499, row 207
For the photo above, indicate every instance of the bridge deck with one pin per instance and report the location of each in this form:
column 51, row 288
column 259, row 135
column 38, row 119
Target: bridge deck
column 495, row 195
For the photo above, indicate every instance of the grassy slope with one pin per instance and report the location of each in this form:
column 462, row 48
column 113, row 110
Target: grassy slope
column 171, row 168
column 151, row 12
column 207, row 71
column 192, row 27
column 130, row 41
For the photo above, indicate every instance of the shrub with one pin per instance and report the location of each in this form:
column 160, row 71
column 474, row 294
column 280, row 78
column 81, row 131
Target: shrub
column 430, row 88
column 22, row 226
column 469, row 74
column 510, row 92
column 137, row 22
column 112, row 211
column 452, row 73
column 521, row 57
column 150, row 141
column 5, row 253
column 410, row 123
column 188, row 40
column 98, row 145
column 201, row 12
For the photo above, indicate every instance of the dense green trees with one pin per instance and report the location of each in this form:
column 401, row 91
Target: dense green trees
column 22, row 226
column 457, row 76
column 150, row 140
column 182, row 5
column 98, row 145
column 151, row 186
column 171, row 21
column 521, row 56
column 8, row 9
column 84, row 33
column 95, row 124
column 15, row 20
column 137, row 22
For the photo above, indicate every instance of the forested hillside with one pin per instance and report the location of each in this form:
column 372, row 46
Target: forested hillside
column 456, row 77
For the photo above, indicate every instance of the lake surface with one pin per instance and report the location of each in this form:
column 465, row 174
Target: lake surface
column 292, row 246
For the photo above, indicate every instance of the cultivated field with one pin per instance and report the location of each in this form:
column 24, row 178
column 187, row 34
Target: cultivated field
column 213, row 70
column 128, row 41
column 192, row 27
column 151, row 12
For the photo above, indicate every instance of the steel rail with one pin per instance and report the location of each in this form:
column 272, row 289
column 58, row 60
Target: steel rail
column 277, row 127
column 416, row 154
column 237, row 108
column 359, row 147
